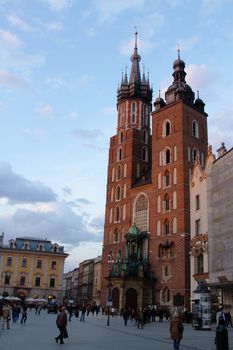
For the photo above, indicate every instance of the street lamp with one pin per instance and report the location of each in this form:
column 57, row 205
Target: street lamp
column 7, row 277
column 109, row 302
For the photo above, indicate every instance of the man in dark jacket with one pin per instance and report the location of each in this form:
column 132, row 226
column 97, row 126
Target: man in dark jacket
column 61, row 322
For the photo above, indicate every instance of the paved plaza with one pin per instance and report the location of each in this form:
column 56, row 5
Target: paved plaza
column 39, row 332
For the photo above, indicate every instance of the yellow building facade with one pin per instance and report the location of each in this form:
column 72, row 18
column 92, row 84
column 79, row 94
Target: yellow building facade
column 32, row 267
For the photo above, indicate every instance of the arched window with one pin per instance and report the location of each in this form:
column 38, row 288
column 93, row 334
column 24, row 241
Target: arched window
column 110, row 256
column 172, row 250
column 166, row 179
column 174, row 225
column 144, row 136
column 166, row 128
column 119, row 154
column 120, row 136
column 144, row 154
column 118, row 193
column 195, row 154
column 166, row 227
column 195, row 129
column 166, row 202
column 117, row 214
column 133, row 113
column 116, row 236
column 167, row 156
column 118, row 172
column 141, row 213
column 55, row 248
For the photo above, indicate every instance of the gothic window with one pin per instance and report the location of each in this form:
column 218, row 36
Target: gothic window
column 195, row 154
column 110, row 256
column 118, row 172
column 166, row 128
column 166, row 227
column 117, row 214
column 172, row 251
column 166, row 202
column 144, row 154
column 167, row 156
column 120, row 136
column 195, row 129
column 118, row 193
column 166, row 271
column 166, row 179
column 144, row 136
column 116, row 236
column 174, row 225
column 141, row 213
column 133, row 113
column 119, row 154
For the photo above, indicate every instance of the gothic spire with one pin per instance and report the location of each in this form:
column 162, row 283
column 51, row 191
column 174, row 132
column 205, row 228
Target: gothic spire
column 135, row 75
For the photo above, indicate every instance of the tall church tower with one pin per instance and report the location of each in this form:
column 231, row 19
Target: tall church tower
column 179, row 137
column 129, row 161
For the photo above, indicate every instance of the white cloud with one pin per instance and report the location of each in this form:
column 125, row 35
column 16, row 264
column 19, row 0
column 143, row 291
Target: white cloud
column 9, row 39
column 187, row 44
column 58, row 5
column 107, row 11
column 45, row 110
column 85, row 250
column 73, row 115
column 90, row 32
column 220, row 128
column 17, row 22
column 13, row 81
column 86, row 134
column 85, row 80
column 200, row 77
column 55, row 25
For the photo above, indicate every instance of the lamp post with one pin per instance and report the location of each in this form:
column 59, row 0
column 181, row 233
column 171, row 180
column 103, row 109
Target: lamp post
column 109, row 303
column 7, row 277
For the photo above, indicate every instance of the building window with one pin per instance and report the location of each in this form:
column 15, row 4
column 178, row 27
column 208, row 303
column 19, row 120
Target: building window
column 120, row 136
column 144, row 154
column 117, row 214
column 198, row 227
column 53, row 265
column 40, row 247
column 133, row 113
column 119, row 155
column 167, row 156
column 24, row 262
column 52, row 282
column 197, row 202
column 166, row 227
column 39, row 264
column 37, row 282
column 166, row 271
column 141, row 213
column 160, row 252
column 116, row 236
column 195, row 154
column 200, row 264
column 110, row 256
column 118, row 172
column 55, row 249
column 144, row 136
column 166, row 203
column 195, row 129
column 172, row 251
column 9, row 261
column 113, row 174
column 118, row 193
column 26, row 246
column 122, row 114
column 22, row 281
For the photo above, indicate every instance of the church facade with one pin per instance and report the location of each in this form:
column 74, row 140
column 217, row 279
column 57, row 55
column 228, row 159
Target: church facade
column 146, row 245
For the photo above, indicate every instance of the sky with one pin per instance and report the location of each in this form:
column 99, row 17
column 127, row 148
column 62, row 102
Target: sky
column 60, row 65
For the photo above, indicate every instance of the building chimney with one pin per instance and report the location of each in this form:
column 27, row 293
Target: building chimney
column 221, row 150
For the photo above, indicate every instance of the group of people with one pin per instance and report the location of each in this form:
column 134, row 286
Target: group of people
column 13, row 311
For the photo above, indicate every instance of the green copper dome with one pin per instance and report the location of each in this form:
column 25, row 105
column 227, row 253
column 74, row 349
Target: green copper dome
column 133, row 230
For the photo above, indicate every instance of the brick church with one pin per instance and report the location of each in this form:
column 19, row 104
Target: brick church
column 146, row 241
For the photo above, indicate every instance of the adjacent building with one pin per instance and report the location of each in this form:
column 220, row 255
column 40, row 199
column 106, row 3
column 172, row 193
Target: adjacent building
column 32, row 267
column 85, row 286
column 146, row 241
column 97, row 280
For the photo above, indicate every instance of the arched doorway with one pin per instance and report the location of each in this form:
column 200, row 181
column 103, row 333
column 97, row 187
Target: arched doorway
column 131, row 299
column 115, row 298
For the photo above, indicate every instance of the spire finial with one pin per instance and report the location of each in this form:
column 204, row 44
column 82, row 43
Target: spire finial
column 136, row 38
column 178, row 50
column 126, row 70
column 159, row 93
column 197, row 93
column 122, row 74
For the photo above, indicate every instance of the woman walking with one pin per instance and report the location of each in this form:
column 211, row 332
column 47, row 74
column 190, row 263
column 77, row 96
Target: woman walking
column 176, row 330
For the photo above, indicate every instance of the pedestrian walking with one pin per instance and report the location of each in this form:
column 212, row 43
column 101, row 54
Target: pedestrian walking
column 176, row 330
column 61, row 323
column 140, row 317
column 125, row 317
column 220, row 316
column 221, row 335
column 6, row 315
column 83, row 312
column 24, row 314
